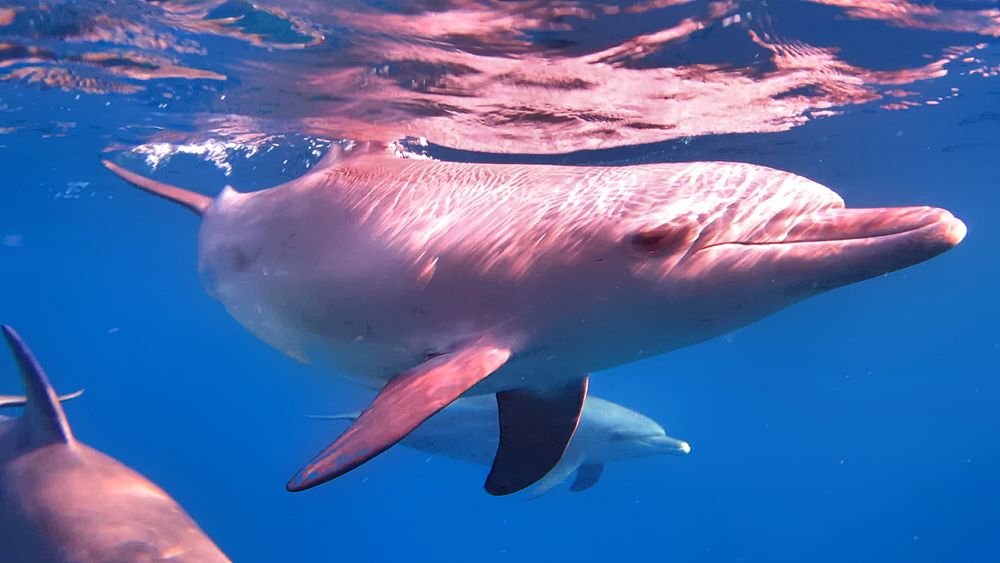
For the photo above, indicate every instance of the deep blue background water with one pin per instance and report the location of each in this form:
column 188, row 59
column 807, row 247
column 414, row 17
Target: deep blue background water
column 861, row 425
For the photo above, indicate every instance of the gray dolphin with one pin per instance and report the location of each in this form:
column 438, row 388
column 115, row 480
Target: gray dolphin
column 62, row 501
column 433, row 279
column 468, row 430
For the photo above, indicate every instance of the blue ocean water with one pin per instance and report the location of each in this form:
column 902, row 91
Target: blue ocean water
column 860, row 425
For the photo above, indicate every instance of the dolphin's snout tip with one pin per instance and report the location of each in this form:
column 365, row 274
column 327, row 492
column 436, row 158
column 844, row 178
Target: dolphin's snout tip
column 955, row 229
column 685, row 448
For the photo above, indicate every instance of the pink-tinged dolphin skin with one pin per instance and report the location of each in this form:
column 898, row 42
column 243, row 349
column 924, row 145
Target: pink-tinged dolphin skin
column 440, row 279
column 62, row 501
column 467, row 430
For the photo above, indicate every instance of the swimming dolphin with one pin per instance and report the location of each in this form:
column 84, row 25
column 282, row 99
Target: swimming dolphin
column 433, row 279
column 62, row 501
column 467, row 430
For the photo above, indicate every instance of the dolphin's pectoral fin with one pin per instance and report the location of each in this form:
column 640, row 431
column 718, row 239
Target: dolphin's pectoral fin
column 535, row 429
column 7, row 401
column 554, row 478
column 586, row 476
column 406, row 401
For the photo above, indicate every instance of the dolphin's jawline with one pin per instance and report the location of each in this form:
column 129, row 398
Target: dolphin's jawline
column 957, row 234
column 809, row 241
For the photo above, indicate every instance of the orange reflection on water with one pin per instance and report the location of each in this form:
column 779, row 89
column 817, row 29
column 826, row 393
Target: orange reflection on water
column 903, row 13
column 536, row 100
column 525, row 76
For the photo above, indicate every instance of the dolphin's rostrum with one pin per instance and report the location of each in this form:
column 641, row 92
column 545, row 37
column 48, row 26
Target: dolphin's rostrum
column 431, row 280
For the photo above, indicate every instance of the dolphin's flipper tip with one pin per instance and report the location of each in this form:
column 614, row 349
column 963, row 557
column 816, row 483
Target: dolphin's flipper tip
column 956, row 231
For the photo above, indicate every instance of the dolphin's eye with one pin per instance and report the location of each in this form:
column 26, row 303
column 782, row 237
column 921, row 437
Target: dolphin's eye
column 240, row 261
column 663, row 239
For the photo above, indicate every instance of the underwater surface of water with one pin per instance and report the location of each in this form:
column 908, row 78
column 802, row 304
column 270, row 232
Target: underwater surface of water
column 859, row 425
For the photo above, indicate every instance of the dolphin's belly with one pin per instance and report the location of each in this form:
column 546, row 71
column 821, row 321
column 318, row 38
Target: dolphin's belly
column 561, row 320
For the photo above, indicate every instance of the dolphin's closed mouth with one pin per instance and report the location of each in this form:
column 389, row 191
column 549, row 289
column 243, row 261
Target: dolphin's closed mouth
column 933, row 225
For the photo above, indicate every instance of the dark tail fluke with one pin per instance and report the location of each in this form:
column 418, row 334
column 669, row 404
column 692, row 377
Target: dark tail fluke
column 192, row 200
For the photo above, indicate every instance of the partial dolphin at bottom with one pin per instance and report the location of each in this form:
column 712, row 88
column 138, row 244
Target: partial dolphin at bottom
column 62, row 501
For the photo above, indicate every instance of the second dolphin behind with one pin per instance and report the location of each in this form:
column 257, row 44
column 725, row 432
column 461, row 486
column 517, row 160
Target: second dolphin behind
column 468, row 430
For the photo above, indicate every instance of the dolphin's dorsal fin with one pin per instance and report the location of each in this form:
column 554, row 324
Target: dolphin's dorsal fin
column 44, row 415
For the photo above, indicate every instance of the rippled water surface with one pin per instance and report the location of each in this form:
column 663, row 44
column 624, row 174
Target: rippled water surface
column 857, row 426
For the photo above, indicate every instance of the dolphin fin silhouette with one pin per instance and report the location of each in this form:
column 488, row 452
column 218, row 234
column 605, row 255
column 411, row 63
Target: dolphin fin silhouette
column 7, row 401
column 535, row 429
column 42, row 412
column 586, row 476
column 194, row 201
column 406, row 401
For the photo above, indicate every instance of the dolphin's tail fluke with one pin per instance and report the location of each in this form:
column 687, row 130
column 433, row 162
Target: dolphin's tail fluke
column 46, row 421
column 192, row 200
